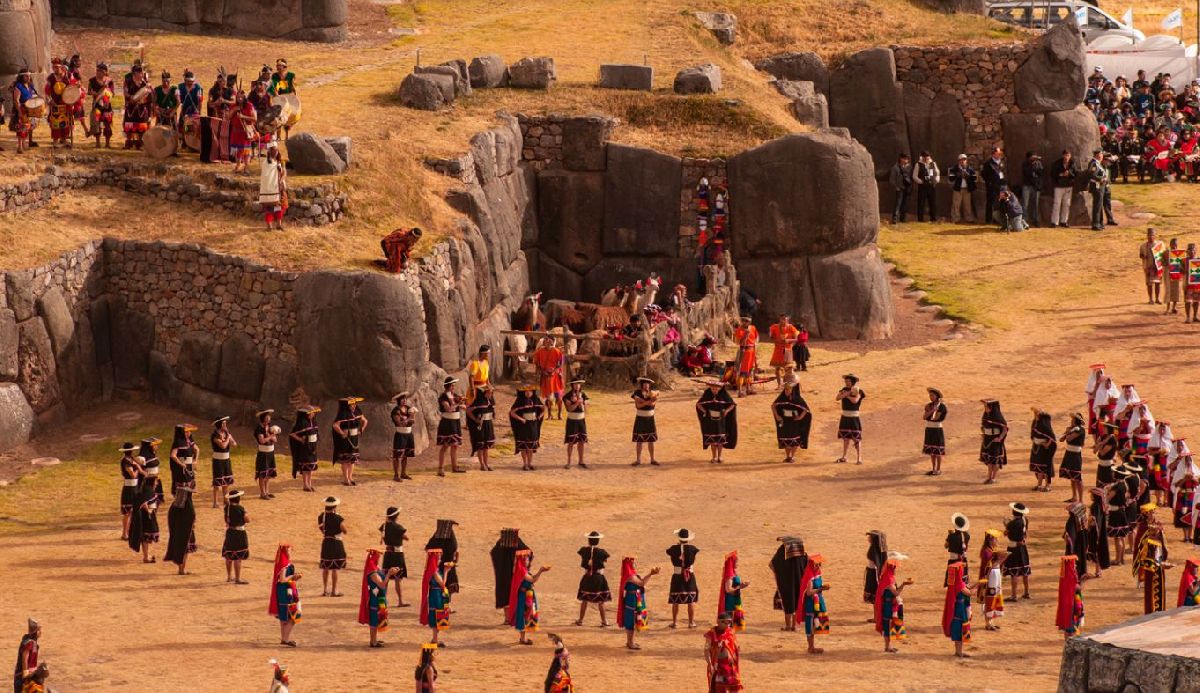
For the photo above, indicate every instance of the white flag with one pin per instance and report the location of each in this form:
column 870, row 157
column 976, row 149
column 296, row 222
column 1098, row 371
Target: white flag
column 1173, row 20
column 1081, row 16
column 1127, row 18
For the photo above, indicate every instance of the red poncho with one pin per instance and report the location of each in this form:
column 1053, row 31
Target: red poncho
column 727, row 573
column 1188, row 579
column 433, row 559
column 520, row 571
column 1068, row 581
column 282, row 561
column 887, row 578
column 364, row 601
column 954, row 586
column 627, row 572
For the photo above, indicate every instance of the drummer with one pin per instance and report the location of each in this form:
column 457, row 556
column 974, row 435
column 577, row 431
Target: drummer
column 191, row 98
column 282, row 82
column 24, row 118
column 101, row 90
column 61, row 115
column 166, row 102
column 137, row 112
column 261, row 102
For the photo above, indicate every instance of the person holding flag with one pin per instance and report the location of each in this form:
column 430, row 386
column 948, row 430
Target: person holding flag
column 1153, row 254
column 1191, row 289
column 1175, row 262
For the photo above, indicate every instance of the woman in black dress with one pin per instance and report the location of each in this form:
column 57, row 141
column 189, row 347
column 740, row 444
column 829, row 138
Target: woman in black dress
column 302, row 443
column 1041, row 454
column 237, row 545
column 404, row 445
column 1097, row 531
column 392, row 535
column 684, row 589
column 576, row 401
column 526, row 416
column 209, row 123
column 935, row 437
column 1016, row 565
column 443, row 538
column 183, row 458
column 793, row 419
column 143, row 529
column 181, row 523
column 481, row 425
column 222, row 467
column 645, row 432
column 788, row 565
column 593, row 586
column 992, row 450
column 877, row 551
column 717, row 414
column 149, row 454
column 1105, row 446
column 333, row 552
column 131, row 472
column 265, row 435
column 849, row 425
column 1071, row 467
column 449, row 430
column 348, row 428
column 1118, row 523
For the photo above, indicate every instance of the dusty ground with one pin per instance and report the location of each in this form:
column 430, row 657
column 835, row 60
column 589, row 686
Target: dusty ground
column 1053, row 313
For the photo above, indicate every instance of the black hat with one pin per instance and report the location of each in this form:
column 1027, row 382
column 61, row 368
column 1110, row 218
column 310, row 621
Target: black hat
column 450, row 380
column 934, row 391
column 851, row 377
column 393, row 512
column 332, row 501
column 127, row 447
column 595, row 535
column 683, row 535
column 1018, row 508
column 960, row 522
column 484, row 348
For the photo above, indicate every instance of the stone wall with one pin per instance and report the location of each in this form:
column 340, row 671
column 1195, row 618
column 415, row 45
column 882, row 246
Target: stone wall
column 295, row 20
column 312, row 205
column 1092, row 666
column 25, row 40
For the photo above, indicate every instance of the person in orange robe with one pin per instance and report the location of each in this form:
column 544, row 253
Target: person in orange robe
column 784, row 334
column 746, row 336
column 549, row 361
column 721, row 653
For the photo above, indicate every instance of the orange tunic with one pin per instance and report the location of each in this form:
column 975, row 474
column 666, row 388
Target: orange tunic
column 781, row 336
column 549, row 362
column 747, row 339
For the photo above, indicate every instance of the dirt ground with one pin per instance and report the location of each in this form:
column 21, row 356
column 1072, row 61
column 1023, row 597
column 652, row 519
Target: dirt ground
column 199, row 633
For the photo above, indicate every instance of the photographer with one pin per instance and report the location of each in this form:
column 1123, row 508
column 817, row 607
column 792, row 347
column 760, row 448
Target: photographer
column 1031, row 185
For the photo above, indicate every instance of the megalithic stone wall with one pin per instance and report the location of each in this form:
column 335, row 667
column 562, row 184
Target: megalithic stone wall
column 296, row 20
column 25, row 39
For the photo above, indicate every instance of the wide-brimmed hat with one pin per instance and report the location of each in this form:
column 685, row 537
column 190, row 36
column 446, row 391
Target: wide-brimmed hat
column 1148, row 507
column 332, row 501
column 1134, row 468
column 190, row 428
column 399, row 396
column 1018, row 508
column 219, row 421
column 393, row 512
column 851, row 377
column 127, row 447
column 151, row 441
column 683, row 535
column 594, row 535
column 527, row 387
column 995, row 534
column 259, row 414
column 450, row 380
column 897, row 556
column 235, row 494
column 644, row 379
column 581, row 381
column 960, row 522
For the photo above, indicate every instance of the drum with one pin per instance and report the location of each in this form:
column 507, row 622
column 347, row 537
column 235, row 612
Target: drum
column 270, row 120
column 72, row 94
column 159, row 142
column 35, row 107
column 191, row 132
column 141, row 95
column 291, row 108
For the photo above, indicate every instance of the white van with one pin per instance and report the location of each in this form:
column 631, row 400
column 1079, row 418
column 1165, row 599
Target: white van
column 1043, row 14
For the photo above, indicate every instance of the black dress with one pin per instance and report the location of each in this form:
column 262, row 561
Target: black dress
column 237, row 544
column 393, row 540
column 684, row 589
column 957, row 544
column 717, row 427
column 333, row 552
column 1117, row 524
column 849, row 425
column 526, row 420
column 264, row 459
column 143, row 524
column 404, row 445
column 1077, row 542
column 1017, row 563
column 993, row 451
column 1041, row 457
column 1135, row 497
column 129, row 485
column 345, row 447
column 795, row 420
column 1106, row 450
column 1097, row 532
column 935, row 435
column 222, row 466
column 576, row 428
column 788, row 564
column 593, row 586
column 504, row 555
column 449, row 430
column 183, row 472
column 181, row 522
column 481, row 424
column 876, row 558
column 644, row 429
column 449, row 546
column 1072, row 461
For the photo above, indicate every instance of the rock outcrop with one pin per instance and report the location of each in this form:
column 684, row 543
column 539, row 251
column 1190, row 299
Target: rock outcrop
column 633, row 77
column 313, row 155
column 293, row 20
column 426, row 92
column 25, row 40
column 700, row 79
column 865, row 98
column 532, row 73
column 804, row 66
column 722, row 25
column 1054, row 77
column 487, row 72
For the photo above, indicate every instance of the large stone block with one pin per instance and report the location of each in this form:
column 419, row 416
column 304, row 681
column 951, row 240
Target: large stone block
column 722, row 25
column 532, row 73
column 487, row 72
column 164, row 386
column 309, row 154
column 323, row 13
column 761, row 276
column 1049, row 134
column 80, row 9
column 1072, row 672
column 37, row 371
column 20, row 294
column 634, row 77
column 852, row 295
column 555, row 280
column 8, row 345
column 1054, row 76
column 360, row 333
column 99, row 314
column 280, row 381
column 18, row 41
column 641, row 187
column 509, row 143
column 445, row 323
column 52, row 306
column 812, row 111
column 1106, row 669
column 213, row 11
column 935, row 125
column 79, row 377
column 16, row 417
column 180, row 11
column 427, row 92
column 806, row 194
column 798, row 65
column 344, row 146
column 210, row 405
column 135, row 8
column 583, row 142
column 199, row 361
column 699, row 79
column 865, row 98
column 462, row 85
column 571, row 218
column 131, row 338
column 285, row 17
column 242, row 368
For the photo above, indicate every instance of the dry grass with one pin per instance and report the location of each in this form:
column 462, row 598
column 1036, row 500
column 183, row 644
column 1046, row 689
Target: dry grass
column 1148, row 15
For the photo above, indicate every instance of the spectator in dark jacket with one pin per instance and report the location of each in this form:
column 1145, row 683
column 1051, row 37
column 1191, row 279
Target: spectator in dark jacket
column 926, row 176
column 962, row 186
column 1062, row 177
column 1009, row 209
column 994, row 181
column 1031, row 185
column 901, row 179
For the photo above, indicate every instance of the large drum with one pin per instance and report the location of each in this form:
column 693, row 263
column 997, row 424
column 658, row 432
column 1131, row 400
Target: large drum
column 290, row 113
column 141, row 95
column 159, row 142
column 191, row 132
column 35, row 107
column 72, row 94
column 270, row 120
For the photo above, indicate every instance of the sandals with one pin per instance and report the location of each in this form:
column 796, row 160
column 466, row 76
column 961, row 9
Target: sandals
column 840, row 460
column 377, row 643
column 654, row 463
column 288, row 643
